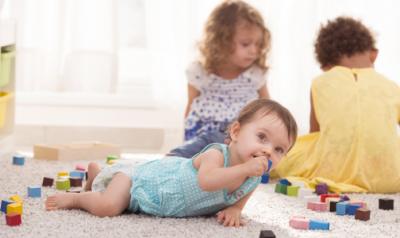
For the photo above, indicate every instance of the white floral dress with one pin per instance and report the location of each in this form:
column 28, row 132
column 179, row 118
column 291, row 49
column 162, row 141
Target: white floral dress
column 220, row 99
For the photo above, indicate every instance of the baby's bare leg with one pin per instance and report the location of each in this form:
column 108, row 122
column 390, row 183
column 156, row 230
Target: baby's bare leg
column 112, row 202
column 93, row 171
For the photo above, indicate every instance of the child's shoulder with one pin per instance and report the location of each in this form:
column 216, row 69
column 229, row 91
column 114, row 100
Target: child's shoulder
column 196, row 67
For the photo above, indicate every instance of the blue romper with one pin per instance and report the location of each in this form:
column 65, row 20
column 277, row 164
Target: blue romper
column 169, row 188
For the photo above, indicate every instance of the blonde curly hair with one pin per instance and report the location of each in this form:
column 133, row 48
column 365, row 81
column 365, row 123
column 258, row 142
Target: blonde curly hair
column 219, row 31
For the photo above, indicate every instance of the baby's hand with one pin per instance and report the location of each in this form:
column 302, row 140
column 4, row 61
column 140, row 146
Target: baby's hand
column 257, row 166
column 230, row 216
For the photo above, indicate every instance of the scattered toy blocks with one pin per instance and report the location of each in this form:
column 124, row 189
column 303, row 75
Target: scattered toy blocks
column 321, row 188
column 363, row 214
column 299, row 223
column 18, row 160
column 267, row 234
column 34, row 191
column 319, row 225
column 386, row 204
column 47, row 182
column 13, row 219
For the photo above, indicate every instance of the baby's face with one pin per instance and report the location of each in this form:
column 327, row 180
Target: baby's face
column 263, row 136
column 247, row 45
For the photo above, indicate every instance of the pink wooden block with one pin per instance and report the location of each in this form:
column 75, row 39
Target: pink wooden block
column 80, row 167
column 298, row 222
column 317, row 206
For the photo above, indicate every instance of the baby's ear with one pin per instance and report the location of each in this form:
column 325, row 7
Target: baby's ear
column 234, row 130
column 373, row 54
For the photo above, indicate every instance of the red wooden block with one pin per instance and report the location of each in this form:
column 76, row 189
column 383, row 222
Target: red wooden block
column 325, row 196
column 13, row 219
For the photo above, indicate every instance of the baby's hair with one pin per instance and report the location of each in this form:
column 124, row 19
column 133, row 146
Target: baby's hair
column 220, row 29
column 344, row 36
column 264, row 107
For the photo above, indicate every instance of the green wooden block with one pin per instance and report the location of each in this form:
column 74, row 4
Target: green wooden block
column 63, row 184
column 293, row 191
column 111, row 157
column 280, row 188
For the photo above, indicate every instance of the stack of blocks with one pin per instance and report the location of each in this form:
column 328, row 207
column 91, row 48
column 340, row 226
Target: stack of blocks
column 285, row 187
column 13, row 210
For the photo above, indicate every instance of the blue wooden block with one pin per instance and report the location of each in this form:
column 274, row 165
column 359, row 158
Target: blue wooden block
column 319, row 225
column 341, row 208
column 285, row 182
column 18, row 160
column 76, row 173
column 34, row 191
column 265, row 178
column 352, row 208
column 4, row 204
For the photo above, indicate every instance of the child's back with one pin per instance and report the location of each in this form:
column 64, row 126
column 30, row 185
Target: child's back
column 356, row 111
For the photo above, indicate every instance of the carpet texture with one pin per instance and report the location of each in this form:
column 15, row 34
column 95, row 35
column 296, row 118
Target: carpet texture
column 266, row 210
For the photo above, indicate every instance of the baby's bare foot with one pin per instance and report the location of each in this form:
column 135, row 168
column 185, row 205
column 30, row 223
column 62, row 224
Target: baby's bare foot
column 61, row 201
column 93, row 170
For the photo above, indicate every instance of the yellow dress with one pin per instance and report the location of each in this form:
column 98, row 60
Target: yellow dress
column 357, row 148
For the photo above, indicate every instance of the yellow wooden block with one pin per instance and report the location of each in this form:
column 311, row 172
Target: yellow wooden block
column 16, row 198
column 14, row 207
column 63, row 174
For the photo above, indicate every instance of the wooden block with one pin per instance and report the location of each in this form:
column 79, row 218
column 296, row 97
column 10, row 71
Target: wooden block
column 386, row 204
column 77, row 174
column 75, row 181
column 363, row 214
column 34, row 191
column 62, row 174
column 265, row 178
column 319, row 225
column 80, row 167
column 4, row 204
column 16, row 198
column 352, row 208
column 47, row 182
column 267, row 234
column 285, row 182
column 111, row 159
column 344, row 198
column 321, row 188
column 299, row 223
column 317, row 206
column 332, row 205
column 63, row 184
column 361, row 203
column 14, row 208
column 292, row 191
column 325, row 196
column 18, row 160
column 13, row 219
column 76, row 151
column 341, row 208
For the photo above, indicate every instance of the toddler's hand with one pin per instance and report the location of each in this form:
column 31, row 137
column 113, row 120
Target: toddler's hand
column 257, row 166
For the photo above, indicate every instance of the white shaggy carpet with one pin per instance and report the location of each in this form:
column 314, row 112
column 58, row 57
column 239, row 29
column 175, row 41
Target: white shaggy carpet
column 266, row 210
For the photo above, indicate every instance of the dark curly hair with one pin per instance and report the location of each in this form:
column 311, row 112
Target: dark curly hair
column 344, row 36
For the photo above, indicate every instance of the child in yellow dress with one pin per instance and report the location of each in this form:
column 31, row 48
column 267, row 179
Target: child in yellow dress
column 355, row 111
